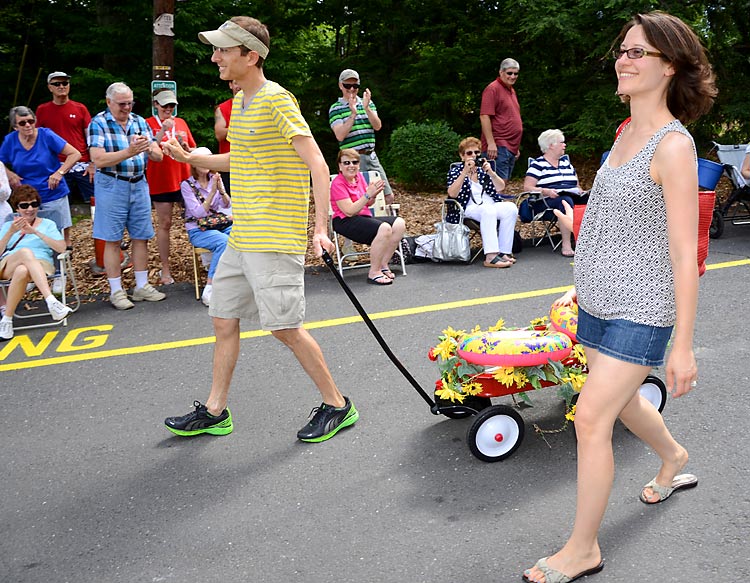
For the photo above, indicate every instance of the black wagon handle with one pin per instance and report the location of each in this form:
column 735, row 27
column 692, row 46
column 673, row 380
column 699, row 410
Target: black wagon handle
column 384, row 345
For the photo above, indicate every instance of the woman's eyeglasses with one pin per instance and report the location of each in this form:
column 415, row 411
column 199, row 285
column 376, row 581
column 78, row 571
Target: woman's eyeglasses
column 351, row 85
column 33, row 204
column 25, row 122
column 635, row 53
column 472, row 153
column 350, row 162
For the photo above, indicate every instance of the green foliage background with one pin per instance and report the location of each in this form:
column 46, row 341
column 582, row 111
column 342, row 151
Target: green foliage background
column 422, row 59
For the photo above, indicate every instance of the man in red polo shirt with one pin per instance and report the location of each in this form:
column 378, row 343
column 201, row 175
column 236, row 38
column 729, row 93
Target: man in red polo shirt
column 500, row 116
column 69, row 120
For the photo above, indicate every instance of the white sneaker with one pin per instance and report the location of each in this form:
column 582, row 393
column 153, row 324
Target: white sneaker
column 148, row 293
column 206, row 296
column 58, row 310
column 57, row 286
column 6, row 330
column 120, row 300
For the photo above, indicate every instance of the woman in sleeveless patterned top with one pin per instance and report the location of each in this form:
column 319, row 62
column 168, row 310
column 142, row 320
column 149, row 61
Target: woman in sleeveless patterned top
column 636, row 275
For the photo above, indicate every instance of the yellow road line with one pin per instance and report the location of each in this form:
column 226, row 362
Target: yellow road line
column 446, row 306
column 83, row 356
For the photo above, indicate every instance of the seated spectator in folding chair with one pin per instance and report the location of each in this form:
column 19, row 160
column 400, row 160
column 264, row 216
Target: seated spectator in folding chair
column 351, row 199
column 551, row 174
column 204, row 194
column 478, row 190
column 28, row 244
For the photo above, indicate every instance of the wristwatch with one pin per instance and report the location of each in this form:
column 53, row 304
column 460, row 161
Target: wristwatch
column 60, row 172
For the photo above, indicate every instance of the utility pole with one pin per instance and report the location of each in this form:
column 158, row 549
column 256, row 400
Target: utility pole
column 162, row 70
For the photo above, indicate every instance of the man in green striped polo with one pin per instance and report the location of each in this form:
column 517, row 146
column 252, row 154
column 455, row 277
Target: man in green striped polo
column 354, row 121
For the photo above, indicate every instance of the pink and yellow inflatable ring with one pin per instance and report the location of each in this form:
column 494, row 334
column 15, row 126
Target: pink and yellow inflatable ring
column 514, row 347
column 565, row 319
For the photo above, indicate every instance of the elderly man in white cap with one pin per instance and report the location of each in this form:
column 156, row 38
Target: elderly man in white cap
column 354, row 121
column 261, row 274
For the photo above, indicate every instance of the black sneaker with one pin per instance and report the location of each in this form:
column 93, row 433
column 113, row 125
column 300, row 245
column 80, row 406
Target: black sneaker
column 327, row 421
column 200, row 421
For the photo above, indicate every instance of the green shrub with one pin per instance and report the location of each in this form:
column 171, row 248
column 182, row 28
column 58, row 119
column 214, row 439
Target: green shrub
column 419, row 155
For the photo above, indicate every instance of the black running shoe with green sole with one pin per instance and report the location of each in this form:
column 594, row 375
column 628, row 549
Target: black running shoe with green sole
column 327, row 421
column 200, row 421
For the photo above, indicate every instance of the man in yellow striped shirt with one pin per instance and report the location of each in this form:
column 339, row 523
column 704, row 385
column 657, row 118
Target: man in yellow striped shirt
column 261, row 273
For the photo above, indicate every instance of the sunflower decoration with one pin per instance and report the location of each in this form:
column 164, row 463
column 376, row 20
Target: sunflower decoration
column 459, row 379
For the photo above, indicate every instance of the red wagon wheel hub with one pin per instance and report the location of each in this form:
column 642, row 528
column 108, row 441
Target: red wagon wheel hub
column 499, row 437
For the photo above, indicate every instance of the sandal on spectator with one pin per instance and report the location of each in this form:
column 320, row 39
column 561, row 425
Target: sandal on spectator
column 388, row 273
column 380, row 280
column 498, row 261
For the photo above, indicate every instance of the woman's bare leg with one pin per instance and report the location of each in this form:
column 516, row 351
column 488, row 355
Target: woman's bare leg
column 610, row 386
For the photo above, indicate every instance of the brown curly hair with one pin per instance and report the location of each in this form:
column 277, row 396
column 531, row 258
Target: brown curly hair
column 24, row 193
column 692, row 89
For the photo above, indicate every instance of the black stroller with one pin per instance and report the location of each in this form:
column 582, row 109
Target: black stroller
column 736, row 207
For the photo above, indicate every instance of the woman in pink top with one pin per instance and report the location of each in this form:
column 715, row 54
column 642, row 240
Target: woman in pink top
column 351, row 199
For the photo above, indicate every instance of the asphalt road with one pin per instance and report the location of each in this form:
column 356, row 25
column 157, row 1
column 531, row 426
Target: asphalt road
column 94, row 489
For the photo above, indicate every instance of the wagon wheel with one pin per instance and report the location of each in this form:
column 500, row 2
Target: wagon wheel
column 655, row 392
column 495, row 434
column 477, row 403
column 717, row 225
column 653, row 389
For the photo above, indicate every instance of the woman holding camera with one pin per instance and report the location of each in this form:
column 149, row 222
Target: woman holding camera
column 476, row 187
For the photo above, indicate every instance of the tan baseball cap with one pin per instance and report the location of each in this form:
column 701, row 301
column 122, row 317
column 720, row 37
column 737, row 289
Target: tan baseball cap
column 348, row 74
column 165, row 98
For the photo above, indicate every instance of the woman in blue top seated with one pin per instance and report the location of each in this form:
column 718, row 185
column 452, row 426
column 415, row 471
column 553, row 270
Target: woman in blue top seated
column 27, row 244
column 553, row 175
column 40, row 158
column 477, row 190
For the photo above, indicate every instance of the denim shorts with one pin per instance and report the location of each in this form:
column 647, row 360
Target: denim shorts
column 60, row 212
column 121, row 205
column 623, row 339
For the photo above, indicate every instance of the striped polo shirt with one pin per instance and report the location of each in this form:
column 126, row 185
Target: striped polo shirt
column 361, row 136
column 560, row 178
column 270, row 182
